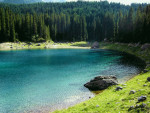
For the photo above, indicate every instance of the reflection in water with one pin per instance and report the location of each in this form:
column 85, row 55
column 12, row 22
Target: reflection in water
column 45, row 80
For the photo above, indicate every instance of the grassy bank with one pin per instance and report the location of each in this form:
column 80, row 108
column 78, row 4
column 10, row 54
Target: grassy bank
column 111, row 101
column 23, row 45
column 131, row 49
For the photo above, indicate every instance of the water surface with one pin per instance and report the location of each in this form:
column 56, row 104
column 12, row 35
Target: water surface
column 45, row 80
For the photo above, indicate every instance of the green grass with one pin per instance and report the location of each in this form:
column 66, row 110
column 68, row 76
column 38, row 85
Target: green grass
column 111, row 101
column 23, row 45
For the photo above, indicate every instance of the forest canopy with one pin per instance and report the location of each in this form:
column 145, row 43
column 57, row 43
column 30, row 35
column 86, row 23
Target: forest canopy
column 75, row 21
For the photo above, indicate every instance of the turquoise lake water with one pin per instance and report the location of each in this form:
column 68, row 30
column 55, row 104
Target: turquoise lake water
column 45, row 80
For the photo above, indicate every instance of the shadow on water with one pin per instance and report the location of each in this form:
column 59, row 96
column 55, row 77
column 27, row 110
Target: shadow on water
column 81, row 45
column 131, row 60
column 126, row 64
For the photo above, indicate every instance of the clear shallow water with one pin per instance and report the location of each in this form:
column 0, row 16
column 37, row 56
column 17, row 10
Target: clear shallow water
column 45, row 80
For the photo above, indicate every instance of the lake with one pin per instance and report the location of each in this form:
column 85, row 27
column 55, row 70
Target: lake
column 46, row 80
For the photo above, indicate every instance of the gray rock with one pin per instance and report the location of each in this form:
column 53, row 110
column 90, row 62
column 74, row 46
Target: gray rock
column 131, row 107
column 132, row 92
column 130, row 44
column 97, row 106
column 148, row 79
column 95, row 45
column 137, row 106
column 145, row 85
column 145, row 47
column 118, row 88
column 29, row 43
column 142, row 98
column 143, row 105
column 145, row 71
column 101, row 83
column 38, row 44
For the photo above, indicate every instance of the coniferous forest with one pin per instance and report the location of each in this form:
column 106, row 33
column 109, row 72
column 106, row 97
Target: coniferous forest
column 75, row 21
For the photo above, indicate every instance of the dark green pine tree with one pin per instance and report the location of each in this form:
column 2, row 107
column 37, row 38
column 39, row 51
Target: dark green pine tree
column 27, row 27
column 0, row 26
column 3, row 28
column 35, row 24
column 84, row 29
column 12, row 32
column 47, row 34
column 7, row 20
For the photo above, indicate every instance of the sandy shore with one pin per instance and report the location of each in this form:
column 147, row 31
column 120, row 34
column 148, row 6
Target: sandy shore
column 23, row 45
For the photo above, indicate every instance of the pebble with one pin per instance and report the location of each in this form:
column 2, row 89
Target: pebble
column 131, row 107
column 132, row 92
column 145, row 71
column 137, row 106
column 145, row 85
column 148, row 79
column 118, row 88
column 97, row 106
column 142, row 98
column 142, row 105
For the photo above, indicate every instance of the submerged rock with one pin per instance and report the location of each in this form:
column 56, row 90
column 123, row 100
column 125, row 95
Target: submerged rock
column 95, row 45
column 101, row 82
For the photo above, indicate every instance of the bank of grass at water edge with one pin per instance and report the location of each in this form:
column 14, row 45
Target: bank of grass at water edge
column 111, row 101
column 44, row 45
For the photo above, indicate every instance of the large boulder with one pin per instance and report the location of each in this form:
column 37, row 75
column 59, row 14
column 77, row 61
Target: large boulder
column 145, row 46
column 101, row 83
column 95, row 45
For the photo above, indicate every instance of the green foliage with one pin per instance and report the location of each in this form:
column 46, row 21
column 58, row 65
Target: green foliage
column 75, row 21
column 40, row 40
